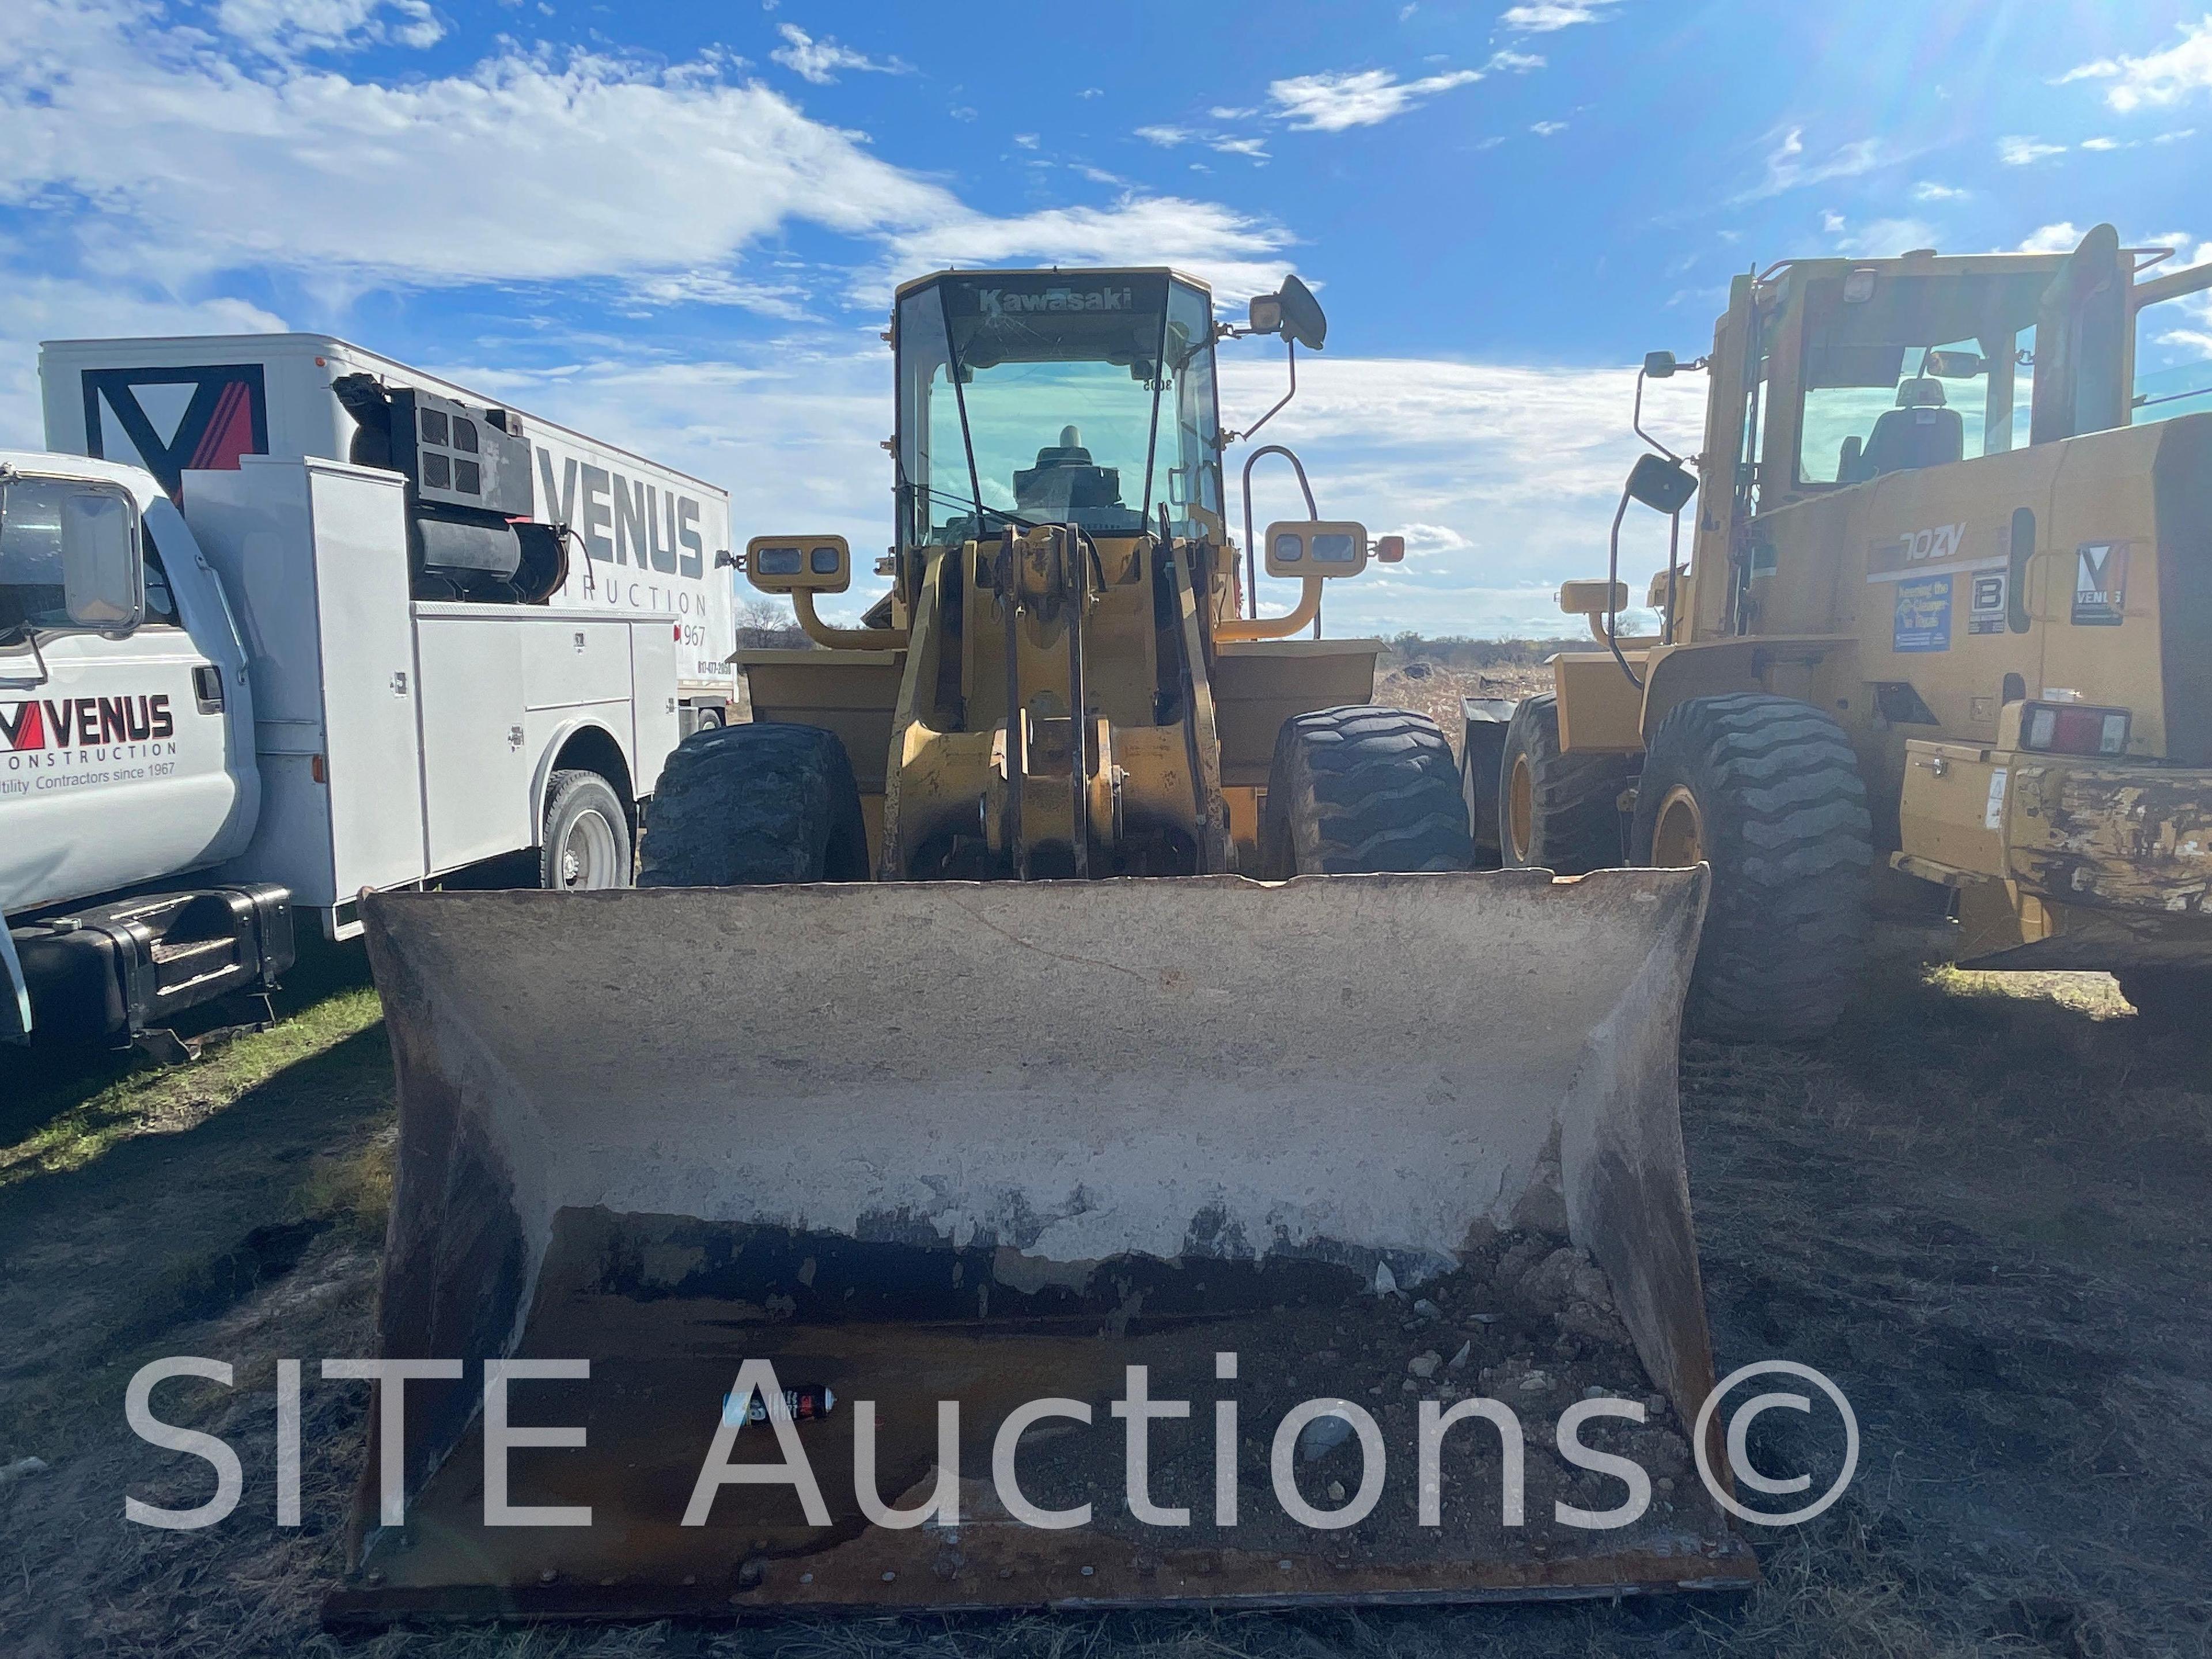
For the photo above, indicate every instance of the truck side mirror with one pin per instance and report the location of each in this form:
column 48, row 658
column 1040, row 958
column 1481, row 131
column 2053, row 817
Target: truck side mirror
column 1662, row 485
column 789, row 564
column 1659, row 365
column 102, row 586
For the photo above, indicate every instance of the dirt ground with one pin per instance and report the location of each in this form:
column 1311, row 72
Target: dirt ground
column 1981, row 1206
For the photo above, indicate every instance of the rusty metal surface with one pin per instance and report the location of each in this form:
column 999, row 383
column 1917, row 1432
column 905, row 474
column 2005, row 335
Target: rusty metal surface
column 2112, row 837
column 605, row 1097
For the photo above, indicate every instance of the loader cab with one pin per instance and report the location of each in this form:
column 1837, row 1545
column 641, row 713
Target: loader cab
column 1048, row 397
column 1831, row 373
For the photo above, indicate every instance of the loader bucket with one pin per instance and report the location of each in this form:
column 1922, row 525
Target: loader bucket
column 995, row 1144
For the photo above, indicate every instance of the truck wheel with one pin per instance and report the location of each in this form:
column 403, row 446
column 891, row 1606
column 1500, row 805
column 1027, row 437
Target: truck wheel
column 585, row 845
column 1557, row 811
column 2170, row 998
column 1360, row 790
column 1766, row 791
column 755, row 806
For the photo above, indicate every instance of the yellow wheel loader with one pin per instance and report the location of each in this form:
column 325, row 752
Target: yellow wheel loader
column 1940, row 648
column 1068, row 987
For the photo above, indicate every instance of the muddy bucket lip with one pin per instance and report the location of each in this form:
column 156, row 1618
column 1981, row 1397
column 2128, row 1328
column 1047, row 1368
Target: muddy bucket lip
column 488, row 1029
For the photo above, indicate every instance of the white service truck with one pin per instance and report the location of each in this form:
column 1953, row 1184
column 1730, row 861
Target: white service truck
column 645, row 537
column 229, row 694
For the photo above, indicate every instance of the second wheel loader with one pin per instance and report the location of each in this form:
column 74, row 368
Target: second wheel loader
column 1939, row 646
column 951, row 1061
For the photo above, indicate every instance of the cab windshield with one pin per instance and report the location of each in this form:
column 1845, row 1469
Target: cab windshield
column 1056, row 398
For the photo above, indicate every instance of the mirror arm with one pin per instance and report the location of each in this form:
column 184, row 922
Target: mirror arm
column 1228, row 438
column 38, row 661
column 1612, row 581
column 843, row 638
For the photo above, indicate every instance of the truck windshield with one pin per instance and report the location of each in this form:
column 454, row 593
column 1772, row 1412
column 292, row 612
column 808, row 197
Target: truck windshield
column 1055, row 398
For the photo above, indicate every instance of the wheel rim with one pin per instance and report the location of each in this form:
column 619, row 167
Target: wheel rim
column 1678, row 834
column 588, row 853
column 1520, row 808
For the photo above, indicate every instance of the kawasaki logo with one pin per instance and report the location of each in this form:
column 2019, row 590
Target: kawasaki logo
column 85, row 722
column 997, row 302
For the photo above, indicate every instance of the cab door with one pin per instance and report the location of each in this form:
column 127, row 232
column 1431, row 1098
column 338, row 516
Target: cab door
column 113, row 751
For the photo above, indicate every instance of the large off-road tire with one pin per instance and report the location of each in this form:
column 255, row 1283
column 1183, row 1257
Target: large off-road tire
column 1766, row 791
column 1557, row 811
column 2172, row 999
column 755, row 806
column 1360, row 790
column 585, row 843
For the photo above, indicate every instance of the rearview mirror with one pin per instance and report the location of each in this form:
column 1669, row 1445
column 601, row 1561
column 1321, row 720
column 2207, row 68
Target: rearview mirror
column 1390, row 550
column 787, row 564
column 1659, row 365
column 1953, row 365
column 1662, row 485
column 101, row 588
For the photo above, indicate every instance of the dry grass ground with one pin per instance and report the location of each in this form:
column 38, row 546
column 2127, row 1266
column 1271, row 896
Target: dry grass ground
column 1982, row 1207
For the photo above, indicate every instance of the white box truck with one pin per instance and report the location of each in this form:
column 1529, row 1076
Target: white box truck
column 271, row 684
column 645, row 539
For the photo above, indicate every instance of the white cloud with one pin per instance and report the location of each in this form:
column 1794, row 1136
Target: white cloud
column 1170, row 137
column 1514, row 62
column 1928, row 190
column 1883, row 238
column 2061, row 237
column 1787, row 169
column 2175, row 137
column 1546, row 129
column 2101, row 145
column 819, row 61
column 1026, row 140
column 1542, row 16
column 1361, row 98
column 2158, row 78
column 656, row 179
column 284, row 28
column 1227, row 113
column 1239, row 255
column 2016, row 152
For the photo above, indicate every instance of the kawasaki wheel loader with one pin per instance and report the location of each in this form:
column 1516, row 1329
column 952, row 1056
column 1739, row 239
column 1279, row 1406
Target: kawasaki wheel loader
column 1062, row 1021
column 1942, row 648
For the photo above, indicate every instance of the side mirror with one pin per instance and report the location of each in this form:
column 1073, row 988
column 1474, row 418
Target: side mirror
column 1390, row 550
column 103, row 588
column 1662, row 485
column 1659, row 365
column 1316, row 547
column 790, row 564
column 1303, row 318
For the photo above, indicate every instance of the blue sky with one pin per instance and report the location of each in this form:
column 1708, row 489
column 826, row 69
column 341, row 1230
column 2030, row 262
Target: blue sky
column 678, row 226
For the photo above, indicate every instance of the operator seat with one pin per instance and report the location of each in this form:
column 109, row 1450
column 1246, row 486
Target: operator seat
column 1064, row 480
column 1919, row 432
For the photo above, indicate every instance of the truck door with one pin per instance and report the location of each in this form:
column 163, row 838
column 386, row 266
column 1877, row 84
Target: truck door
column 113, row 761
